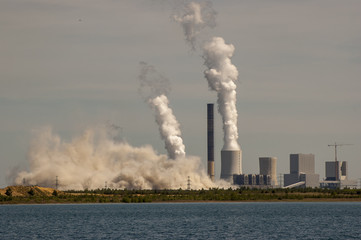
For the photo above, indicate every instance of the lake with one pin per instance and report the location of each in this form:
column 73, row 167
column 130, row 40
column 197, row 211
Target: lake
column 281, row 220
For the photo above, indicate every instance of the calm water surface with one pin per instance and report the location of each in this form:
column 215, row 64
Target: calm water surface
column 182, row 221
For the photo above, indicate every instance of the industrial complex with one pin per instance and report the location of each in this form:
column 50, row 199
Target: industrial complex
column 302, row 167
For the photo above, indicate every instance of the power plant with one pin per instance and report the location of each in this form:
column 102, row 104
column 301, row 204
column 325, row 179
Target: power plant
column 302, row 166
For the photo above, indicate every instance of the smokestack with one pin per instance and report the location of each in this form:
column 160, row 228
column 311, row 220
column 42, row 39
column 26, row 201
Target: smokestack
column 231, row 163
column 210, row 140
column 267, row 166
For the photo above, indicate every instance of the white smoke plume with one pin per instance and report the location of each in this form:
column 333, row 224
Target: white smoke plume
column 194, row 18
column 221, row 76
column 89, row 160
column 153, row 88
column 152, row 83
column 168, row 127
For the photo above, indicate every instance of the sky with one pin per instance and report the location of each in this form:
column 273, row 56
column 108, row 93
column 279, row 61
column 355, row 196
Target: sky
column 73, row 65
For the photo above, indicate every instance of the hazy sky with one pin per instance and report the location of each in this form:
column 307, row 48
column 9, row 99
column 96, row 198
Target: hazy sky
column 74, row 64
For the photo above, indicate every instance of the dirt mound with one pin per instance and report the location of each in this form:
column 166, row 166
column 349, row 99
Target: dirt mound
column 25, row 191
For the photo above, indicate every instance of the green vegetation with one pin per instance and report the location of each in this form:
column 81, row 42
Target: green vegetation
column 37, row 195
column 9, row 192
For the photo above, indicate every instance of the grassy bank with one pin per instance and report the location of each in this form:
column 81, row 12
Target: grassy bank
column 36, row 195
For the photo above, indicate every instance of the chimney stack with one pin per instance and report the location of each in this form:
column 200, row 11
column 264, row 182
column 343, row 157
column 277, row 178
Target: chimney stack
column 210, row 140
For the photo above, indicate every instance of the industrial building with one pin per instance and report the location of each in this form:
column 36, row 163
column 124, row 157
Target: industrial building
column 302, row 172
column 231, row 164
column 336, row 171
column 267, row 166
column 266, row 178
column 336, row 176
column 252, row 180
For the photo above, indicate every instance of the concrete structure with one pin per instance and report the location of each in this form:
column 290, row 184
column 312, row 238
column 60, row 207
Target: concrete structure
column 240, row 179
column 302, row 163
column 339, row 184
column 210, row 140
column 302, row 169
column 231, row 163
column 267, row 166
column 336, row 171
column 336, row 176
column 252, row 180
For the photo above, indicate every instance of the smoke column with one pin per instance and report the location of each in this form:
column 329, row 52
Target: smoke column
column 221, row 76
column 168, row 127
column 153, row 88
column 92, row 158
column 195, row 17
column 221, row 73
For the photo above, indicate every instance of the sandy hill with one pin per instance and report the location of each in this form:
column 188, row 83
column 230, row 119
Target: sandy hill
column 25, row 191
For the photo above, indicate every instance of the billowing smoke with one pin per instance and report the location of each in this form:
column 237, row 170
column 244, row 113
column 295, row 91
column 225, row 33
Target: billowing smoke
column 195, row 17
column 90, row 160
column 153, row 88
column 221, row 73
column 221, row 76
column 168, row 127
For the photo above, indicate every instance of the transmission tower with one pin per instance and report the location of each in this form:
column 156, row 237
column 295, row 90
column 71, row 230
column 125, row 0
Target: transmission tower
column 280, row 182
column 189, row 183
column 56, row 183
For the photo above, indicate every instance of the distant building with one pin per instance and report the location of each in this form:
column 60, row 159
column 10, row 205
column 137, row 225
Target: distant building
column 267, row 166
column 339, row 184
column 336, row 171
column 266, row 179
column 336, row 176
column 302, row 171
column 252, row 180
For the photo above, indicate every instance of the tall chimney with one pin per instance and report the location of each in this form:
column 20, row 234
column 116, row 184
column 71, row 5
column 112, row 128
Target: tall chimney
column 210, row 140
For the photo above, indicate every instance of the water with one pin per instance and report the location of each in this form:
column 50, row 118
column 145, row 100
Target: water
column 182, row 221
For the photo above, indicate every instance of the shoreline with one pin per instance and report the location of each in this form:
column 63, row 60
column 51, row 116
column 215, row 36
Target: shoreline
column 41, row 195
column 308, row 200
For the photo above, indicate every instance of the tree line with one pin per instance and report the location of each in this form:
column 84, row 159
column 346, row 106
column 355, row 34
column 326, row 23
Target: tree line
column 107, row 195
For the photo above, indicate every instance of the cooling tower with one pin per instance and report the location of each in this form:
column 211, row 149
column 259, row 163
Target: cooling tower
column 231, row 163
column 267, row 166
column 210, row 140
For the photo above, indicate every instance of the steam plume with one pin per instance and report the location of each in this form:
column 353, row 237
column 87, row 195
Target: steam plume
column 153, row 88
column 195, row 17
column 89, row 160
column 221, row 76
